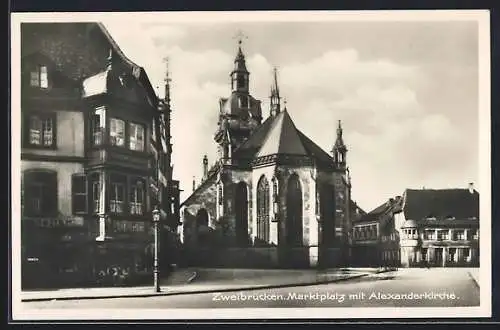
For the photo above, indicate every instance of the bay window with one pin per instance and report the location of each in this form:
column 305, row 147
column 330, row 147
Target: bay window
column 117, row 132
column 136, row 138
column 117, row 194
column 136, row 202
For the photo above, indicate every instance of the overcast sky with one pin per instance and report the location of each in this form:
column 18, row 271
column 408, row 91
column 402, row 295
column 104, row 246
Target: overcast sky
column 406, row 92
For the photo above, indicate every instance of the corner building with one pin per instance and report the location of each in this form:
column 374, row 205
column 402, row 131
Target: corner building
column 273, row 198
column 90, row 155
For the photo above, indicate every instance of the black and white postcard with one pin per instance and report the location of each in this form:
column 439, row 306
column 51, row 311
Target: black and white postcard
column 276, row 165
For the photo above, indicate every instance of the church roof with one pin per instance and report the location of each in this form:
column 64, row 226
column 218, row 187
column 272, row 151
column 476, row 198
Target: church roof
column 282, row 138
column 279, row 135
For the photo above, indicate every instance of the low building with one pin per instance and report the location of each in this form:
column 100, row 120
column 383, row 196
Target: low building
column 423, row 227
column 439, row 227
column 375, row 242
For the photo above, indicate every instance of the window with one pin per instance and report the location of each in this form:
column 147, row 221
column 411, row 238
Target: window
column 241, row 82
column 98, row 123
column 466, row 254
column 40, row 130
column 263, row 210
column 459, row 235
column 79, row 193
column 117, row 132
column 452, row 254
column 39, row 77
column 137, row 198
column 136, row 141
column 96, row 193
column 430, row 234
column 443, row 235
column 153, row 130
column 476, row 234
column 117, row 195
column 40, row 193
column 424, row 254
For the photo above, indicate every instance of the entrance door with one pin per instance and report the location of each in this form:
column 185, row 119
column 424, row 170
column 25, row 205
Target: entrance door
column 438, row 252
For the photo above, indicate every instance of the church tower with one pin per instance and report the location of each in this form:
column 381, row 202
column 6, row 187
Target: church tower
column 275, row 96
column 239, row 114
column 339, row 150
column 240, row 75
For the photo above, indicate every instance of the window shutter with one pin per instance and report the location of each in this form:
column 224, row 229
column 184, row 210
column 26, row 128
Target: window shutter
column 79, row 193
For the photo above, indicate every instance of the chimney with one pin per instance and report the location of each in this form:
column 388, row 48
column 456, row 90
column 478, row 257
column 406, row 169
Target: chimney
column 471, row 187
column 205, row 167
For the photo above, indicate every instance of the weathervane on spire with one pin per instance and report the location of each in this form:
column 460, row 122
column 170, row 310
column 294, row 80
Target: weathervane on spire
column 240, row 36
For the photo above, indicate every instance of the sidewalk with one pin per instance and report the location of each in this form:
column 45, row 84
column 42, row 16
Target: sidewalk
column 209, row 280
column 474, row 274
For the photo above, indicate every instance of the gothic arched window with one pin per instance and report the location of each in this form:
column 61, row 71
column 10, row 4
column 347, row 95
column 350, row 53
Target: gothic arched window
column 263, row 210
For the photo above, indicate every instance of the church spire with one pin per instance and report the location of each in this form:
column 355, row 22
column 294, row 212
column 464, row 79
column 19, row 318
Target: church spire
column 205, row 167
column 275, row 95
column 239, row 75
column 167, row 82
column 339, row 149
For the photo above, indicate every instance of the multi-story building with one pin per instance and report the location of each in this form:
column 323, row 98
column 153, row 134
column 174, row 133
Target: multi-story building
column 88, row 167
column 423, row 227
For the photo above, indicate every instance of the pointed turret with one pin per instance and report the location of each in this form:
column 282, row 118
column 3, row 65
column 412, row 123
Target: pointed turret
column 275, row 95
column 240, row 74
column 205, row 167
column 339, row 149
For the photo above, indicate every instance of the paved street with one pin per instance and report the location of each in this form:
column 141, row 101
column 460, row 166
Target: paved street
column 404, row 288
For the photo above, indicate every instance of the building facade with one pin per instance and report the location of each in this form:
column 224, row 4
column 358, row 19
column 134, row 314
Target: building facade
column 88, row 157
column 439, row 228
column 375, row 238
column 421, row 228
column 273, row 198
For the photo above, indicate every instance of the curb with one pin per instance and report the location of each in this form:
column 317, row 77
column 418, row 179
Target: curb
column 192, row 277
column 160, row 294
column 474, row 280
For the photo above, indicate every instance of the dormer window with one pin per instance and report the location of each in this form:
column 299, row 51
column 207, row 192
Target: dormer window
column 430, row 217
column 39, row 77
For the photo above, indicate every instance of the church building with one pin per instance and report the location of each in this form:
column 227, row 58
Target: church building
column 273, row 198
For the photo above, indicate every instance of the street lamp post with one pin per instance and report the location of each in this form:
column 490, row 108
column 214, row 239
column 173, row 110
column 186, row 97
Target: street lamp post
column 156, row 270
